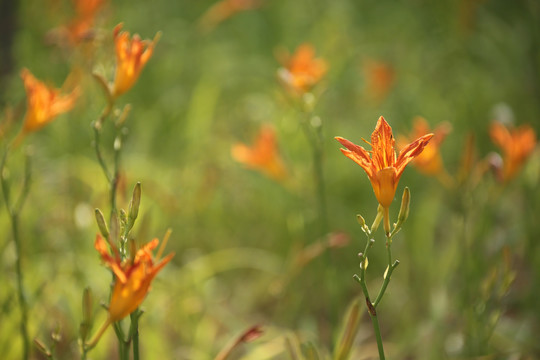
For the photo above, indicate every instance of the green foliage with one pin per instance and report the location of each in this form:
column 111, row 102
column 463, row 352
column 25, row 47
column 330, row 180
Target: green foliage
column 248, row 249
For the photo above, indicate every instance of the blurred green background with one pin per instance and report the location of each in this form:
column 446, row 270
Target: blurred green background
column 237, row 233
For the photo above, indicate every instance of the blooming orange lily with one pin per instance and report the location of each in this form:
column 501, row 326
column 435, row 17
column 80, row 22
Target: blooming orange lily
column 429, row 161
column 517, row 144
column 302, row 70
column 44, row 103
column 132, row 277
column 263, row 155
column 383, row 168
column 131, row 56
column 80, row 28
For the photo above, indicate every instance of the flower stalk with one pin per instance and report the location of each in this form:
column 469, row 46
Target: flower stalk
column 384, row 170
column 14, row 213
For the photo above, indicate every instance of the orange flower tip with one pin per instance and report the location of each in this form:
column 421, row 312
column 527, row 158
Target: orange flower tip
column 117, row 29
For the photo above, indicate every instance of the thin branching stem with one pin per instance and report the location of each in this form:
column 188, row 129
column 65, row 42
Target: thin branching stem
column 14, row 212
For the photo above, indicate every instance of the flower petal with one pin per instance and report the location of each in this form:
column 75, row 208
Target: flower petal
column 357, row 154
column 409, row 152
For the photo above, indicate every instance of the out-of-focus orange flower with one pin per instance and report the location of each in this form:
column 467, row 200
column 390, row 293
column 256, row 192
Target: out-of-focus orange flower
column 302, row 70
column 131, row 56
column 380, row 78
column 81, row 27
column 383, row 168
column 132, row 276
column 224, row 9
column 44, row 103
column 263, row 155
column 429, row 161
column 516, row 143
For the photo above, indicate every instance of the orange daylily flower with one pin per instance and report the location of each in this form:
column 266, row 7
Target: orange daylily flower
column 81, row 27
column 516, row 143
column 263, row 155
column 429, row 161
column 224, row 9
column 380, row 78
column 131, row 56
column 132, row 276
column 44, row 103
column 302, row 70
column 383, row 168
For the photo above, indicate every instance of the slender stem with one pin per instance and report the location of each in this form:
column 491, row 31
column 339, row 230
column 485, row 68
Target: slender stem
column 135, row 333
column 97, row 125
column 14, row 218
column 123, row 345
column 97, row 148
column 94, row 341
column 372, row 306
column 389, row 271
column 20, row 286
column 375, row 322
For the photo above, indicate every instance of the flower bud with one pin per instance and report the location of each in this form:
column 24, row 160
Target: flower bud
column 87, row 305
column 102, row 224
column 378, row 218
column 135, row 202
column 404, row 209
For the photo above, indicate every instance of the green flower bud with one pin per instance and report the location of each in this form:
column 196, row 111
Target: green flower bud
column 135, row 202
column 102, row 224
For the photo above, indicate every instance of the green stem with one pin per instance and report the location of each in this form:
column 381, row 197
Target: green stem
column 371, row 306
column 14, row 219
column 389, row 272
column 20, row 287
column 123, row 344
column 375, row 323
column 97, row 126
column 135, row 333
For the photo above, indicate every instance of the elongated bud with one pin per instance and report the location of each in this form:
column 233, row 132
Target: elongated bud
column 404, row 209
column 102, row 224
column 378, row 218
column 87, row 305
column 135, row 202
